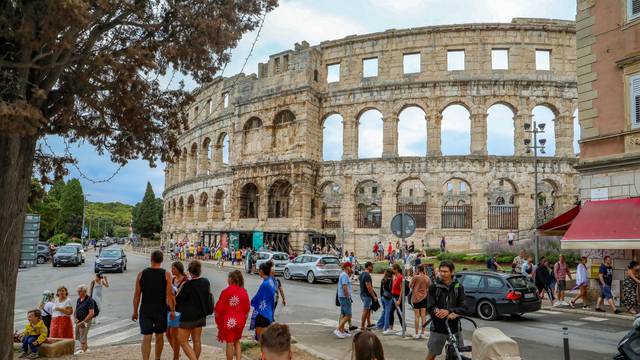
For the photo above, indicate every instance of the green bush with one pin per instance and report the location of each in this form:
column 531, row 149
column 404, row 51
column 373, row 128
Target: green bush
column 431, row 252
column 505, row 259
column 380, row 266
column 59, row 239
column 452, row 256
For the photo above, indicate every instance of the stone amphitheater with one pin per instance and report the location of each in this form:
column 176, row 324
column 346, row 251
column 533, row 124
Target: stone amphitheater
column 252, row 169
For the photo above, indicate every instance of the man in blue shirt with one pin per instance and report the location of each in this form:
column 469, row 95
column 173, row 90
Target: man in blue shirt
column 344, row 297
column 605, row 278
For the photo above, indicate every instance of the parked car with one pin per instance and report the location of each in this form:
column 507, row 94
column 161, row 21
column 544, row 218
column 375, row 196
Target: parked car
column 279, row 259
column 80, row 249
column 43, row 254
column 111, row 259
column 101, row 243
column 313, row 267
column 67, row 255
column 491, row 294
column 122, row 241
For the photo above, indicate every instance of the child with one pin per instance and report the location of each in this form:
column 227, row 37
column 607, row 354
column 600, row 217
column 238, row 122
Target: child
column 231, row 314
column 34, row 334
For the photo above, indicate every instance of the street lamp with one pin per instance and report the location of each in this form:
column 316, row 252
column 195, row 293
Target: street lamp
column 84, row 207
column 538, row 144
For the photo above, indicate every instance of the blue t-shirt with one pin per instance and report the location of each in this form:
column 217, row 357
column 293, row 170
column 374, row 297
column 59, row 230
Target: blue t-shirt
column 344, row 280
column 607, row 274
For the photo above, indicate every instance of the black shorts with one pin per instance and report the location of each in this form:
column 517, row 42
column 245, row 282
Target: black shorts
column 420, row 304
column 153, row 324
column 193, row 324
column 262, row 322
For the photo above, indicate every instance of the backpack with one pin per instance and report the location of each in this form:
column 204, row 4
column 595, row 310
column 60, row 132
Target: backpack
column 96, row 308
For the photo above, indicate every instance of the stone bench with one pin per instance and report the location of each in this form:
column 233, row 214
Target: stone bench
column 492, row 344
column 54, row 348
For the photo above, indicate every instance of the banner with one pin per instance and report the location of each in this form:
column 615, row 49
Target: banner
column 224, row 240
column 234, row 239
column 258, row 240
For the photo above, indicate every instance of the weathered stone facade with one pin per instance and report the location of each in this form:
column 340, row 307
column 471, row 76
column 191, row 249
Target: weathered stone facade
column 276, row 180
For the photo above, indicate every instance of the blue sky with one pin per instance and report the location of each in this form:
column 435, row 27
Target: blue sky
column 314, row 21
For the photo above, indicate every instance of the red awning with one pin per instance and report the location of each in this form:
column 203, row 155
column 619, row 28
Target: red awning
column 605, row 224
column 562, row 221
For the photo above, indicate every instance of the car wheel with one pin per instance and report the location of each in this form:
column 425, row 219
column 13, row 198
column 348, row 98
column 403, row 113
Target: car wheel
column 95, row 270
column 311, row 278
column 83, row 261
column 287, row 274
column 125, row 266
column 487, row 310
column 121, row 270
column 335, row 281
column 41, row 260
column 53, row 263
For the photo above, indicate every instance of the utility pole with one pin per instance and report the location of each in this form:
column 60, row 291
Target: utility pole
column 538, row 144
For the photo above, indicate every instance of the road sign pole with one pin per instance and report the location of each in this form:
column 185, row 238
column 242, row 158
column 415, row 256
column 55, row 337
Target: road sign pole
column 403, row 225
column 402, row 294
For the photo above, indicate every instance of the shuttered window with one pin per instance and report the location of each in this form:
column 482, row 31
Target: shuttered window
column 634, row 101
column 633, row 9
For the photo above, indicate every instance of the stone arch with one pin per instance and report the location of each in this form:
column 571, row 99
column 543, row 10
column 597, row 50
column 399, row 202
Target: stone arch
column 502, row 205
column 203, row 207
column 173, row 210
column 370, row 133
column 222, row 149
column 412, row 198
column 546, row 197
column 456, row 211
column 459, row 102
column 412, row 131
column 500, row 129
column 401, row 106
column 252, row 139
column 183, row 164
column 279, row 200
column 284, row 117
column 192, row 162
column 332, row 136
column 249, row 201
column 503, row 102
column 368, row 195
column 331, row 197
column 218, row 207
column 455, row 135
column 254, row 122
column 191, row 203
column 206, row 156
column 546, row 114
column 181, row 211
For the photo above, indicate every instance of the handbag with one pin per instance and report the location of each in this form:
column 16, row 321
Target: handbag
column 375, row 305
column 175, row 322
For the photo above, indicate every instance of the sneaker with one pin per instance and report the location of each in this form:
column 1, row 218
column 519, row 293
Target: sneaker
column 33, row 356
column 23, row 355
column 78, row 352
column 617, row 311
column 399, row 333
column 599, row 310
column 387, row 332
column 338, row 334
column 416, row 336
column 351, row 328
column 371, row 326
column 586, row 307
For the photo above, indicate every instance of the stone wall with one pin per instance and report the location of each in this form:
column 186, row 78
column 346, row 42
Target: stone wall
column 274, row 124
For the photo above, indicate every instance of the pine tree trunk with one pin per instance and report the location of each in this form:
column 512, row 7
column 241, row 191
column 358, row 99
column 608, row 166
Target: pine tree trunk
column 16, row 164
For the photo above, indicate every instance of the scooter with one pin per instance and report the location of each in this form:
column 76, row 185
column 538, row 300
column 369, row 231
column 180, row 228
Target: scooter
column 629, row 346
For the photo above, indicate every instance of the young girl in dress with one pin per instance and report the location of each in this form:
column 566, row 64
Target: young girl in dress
column 231, row 314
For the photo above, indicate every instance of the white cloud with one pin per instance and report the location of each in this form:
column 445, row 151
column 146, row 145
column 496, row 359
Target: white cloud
column 401, row 6
column 370, row 133
column 412, row 132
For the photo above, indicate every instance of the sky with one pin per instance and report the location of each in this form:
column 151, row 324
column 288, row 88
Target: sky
column 315, row 21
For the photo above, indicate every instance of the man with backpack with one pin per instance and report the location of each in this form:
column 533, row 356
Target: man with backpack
column 445, row 303
column 367, row 295
column 86, row 310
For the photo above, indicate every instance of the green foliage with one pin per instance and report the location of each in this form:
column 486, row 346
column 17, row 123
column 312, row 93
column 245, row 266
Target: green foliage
column 109, row 218
column 59, row 239
column 71, row 206
column 452, row 256
column 120, row 231
column 147, row 215
column 380, row 266
column 431, row 251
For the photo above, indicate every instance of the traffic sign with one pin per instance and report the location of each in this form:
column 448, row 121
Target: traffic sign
column 403, row 225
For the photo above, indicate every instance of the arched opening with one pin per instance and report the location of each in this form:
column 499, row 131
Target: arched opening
column 203, row 205
column 455, row 130
column 542, row 114
column 546, row 197
column 206, row 153
column 249, row 201
column 180, row 219
column 369, row 213
column 251, row 140
column 332, row 138
column 222, row 147
column 456, row 211
column 283, row 117
column 183, row 164
column 502, row 209
column 279, row 199
column 284, row 130
column 331, row 206
column 172, row 213
column 218, row 205
column 412, row 199
column 370, row 133
column 576, row 133
column 500, row 130
column 190, row 208
column 412, row 132
column 193, row 161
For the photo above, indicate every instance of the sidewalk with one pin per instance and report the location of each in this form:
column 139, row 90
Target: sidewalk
column 132, row 351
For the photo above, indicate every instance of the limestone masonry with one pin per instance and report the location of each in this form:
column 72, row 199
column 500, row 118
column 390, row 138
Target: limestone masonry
column 275, row 187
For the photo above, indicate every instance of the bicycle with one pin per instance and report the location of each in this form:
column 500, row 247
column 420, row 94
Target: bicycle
column 452, row 349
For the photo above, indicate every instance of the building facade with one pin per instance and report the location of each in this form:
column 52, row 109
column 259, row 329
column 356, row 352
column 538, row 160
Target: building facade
column 608, row 69
column 253, row 169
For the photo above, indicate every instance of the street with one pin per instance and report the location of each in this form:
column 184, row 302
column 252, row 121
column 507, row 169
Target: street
column 311, row 313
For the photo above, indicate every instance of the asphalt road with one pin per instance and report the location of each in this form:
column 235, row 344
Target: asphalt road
column 312, row 315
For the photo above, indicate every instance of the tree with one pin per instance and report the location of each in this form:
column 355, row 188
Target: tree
column 71, row 208
column 146, row 221
column 90, row 71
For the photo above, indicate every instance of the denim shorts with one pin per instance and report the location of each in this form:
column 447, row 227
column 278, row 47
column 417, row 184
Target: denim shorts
column 366, row 301
column 345, row 306
column 606, row 292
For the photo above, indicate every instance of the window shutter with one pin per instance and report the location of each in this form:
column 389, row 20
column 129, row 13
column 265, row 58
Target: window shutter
column 634, row 92
column 634, row 9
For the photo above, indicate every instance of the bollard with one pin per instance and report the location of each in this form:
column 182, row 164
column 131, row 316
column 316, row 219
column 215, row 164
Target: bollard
column 565, row 340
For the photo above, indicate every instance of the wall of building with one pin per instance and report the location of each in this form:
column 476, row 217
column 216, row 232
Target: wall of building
column 264, row 150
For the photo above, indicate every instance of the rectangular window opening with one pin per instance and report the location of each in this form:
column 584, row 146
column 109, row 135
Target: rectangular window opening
column 634, row 92
column 633, row 9
column 543, row 60
column 210, row 106
column 455, row 60
column 225, row 99
column 499, row 59
column 333, row 73
column 411, row 63
column 370, row 67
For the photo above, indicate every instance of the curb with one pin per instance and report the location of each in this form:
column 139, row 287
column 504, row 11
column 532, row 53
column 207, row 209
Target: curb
column 588, row 312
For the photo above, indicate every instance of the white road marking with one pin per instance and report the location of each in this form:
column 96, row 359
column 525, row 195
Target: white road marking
column 327, row 322
column 103, row 329
column 573, row 323
column 115, row 337
column 593, row 318
column 548, row 312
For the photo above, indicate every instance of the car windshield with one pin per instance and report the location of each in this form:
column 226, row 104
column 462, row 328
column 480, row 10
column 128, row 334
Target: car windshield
column 110, row 253
column 67, row 250
column 331, row 260
column 518, row 282
column 280, row 257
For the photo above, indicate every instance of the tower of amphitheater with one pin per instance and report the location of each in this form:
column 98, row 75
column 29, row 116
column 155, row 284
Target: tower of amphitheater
column 253, row 167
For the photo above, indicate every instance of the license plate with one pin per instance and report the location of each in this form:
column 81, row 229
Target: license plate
column 106, row 266
column 529, row 296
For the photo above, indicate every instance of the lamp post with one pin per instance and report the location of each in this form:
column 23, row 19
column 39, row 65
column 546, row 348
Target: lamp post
column 84, row 207
column 538, row 144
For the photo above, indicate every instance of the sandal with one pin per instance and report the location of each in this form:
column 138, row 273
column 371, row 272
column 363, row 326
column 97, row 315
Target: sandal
column 572, row 304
